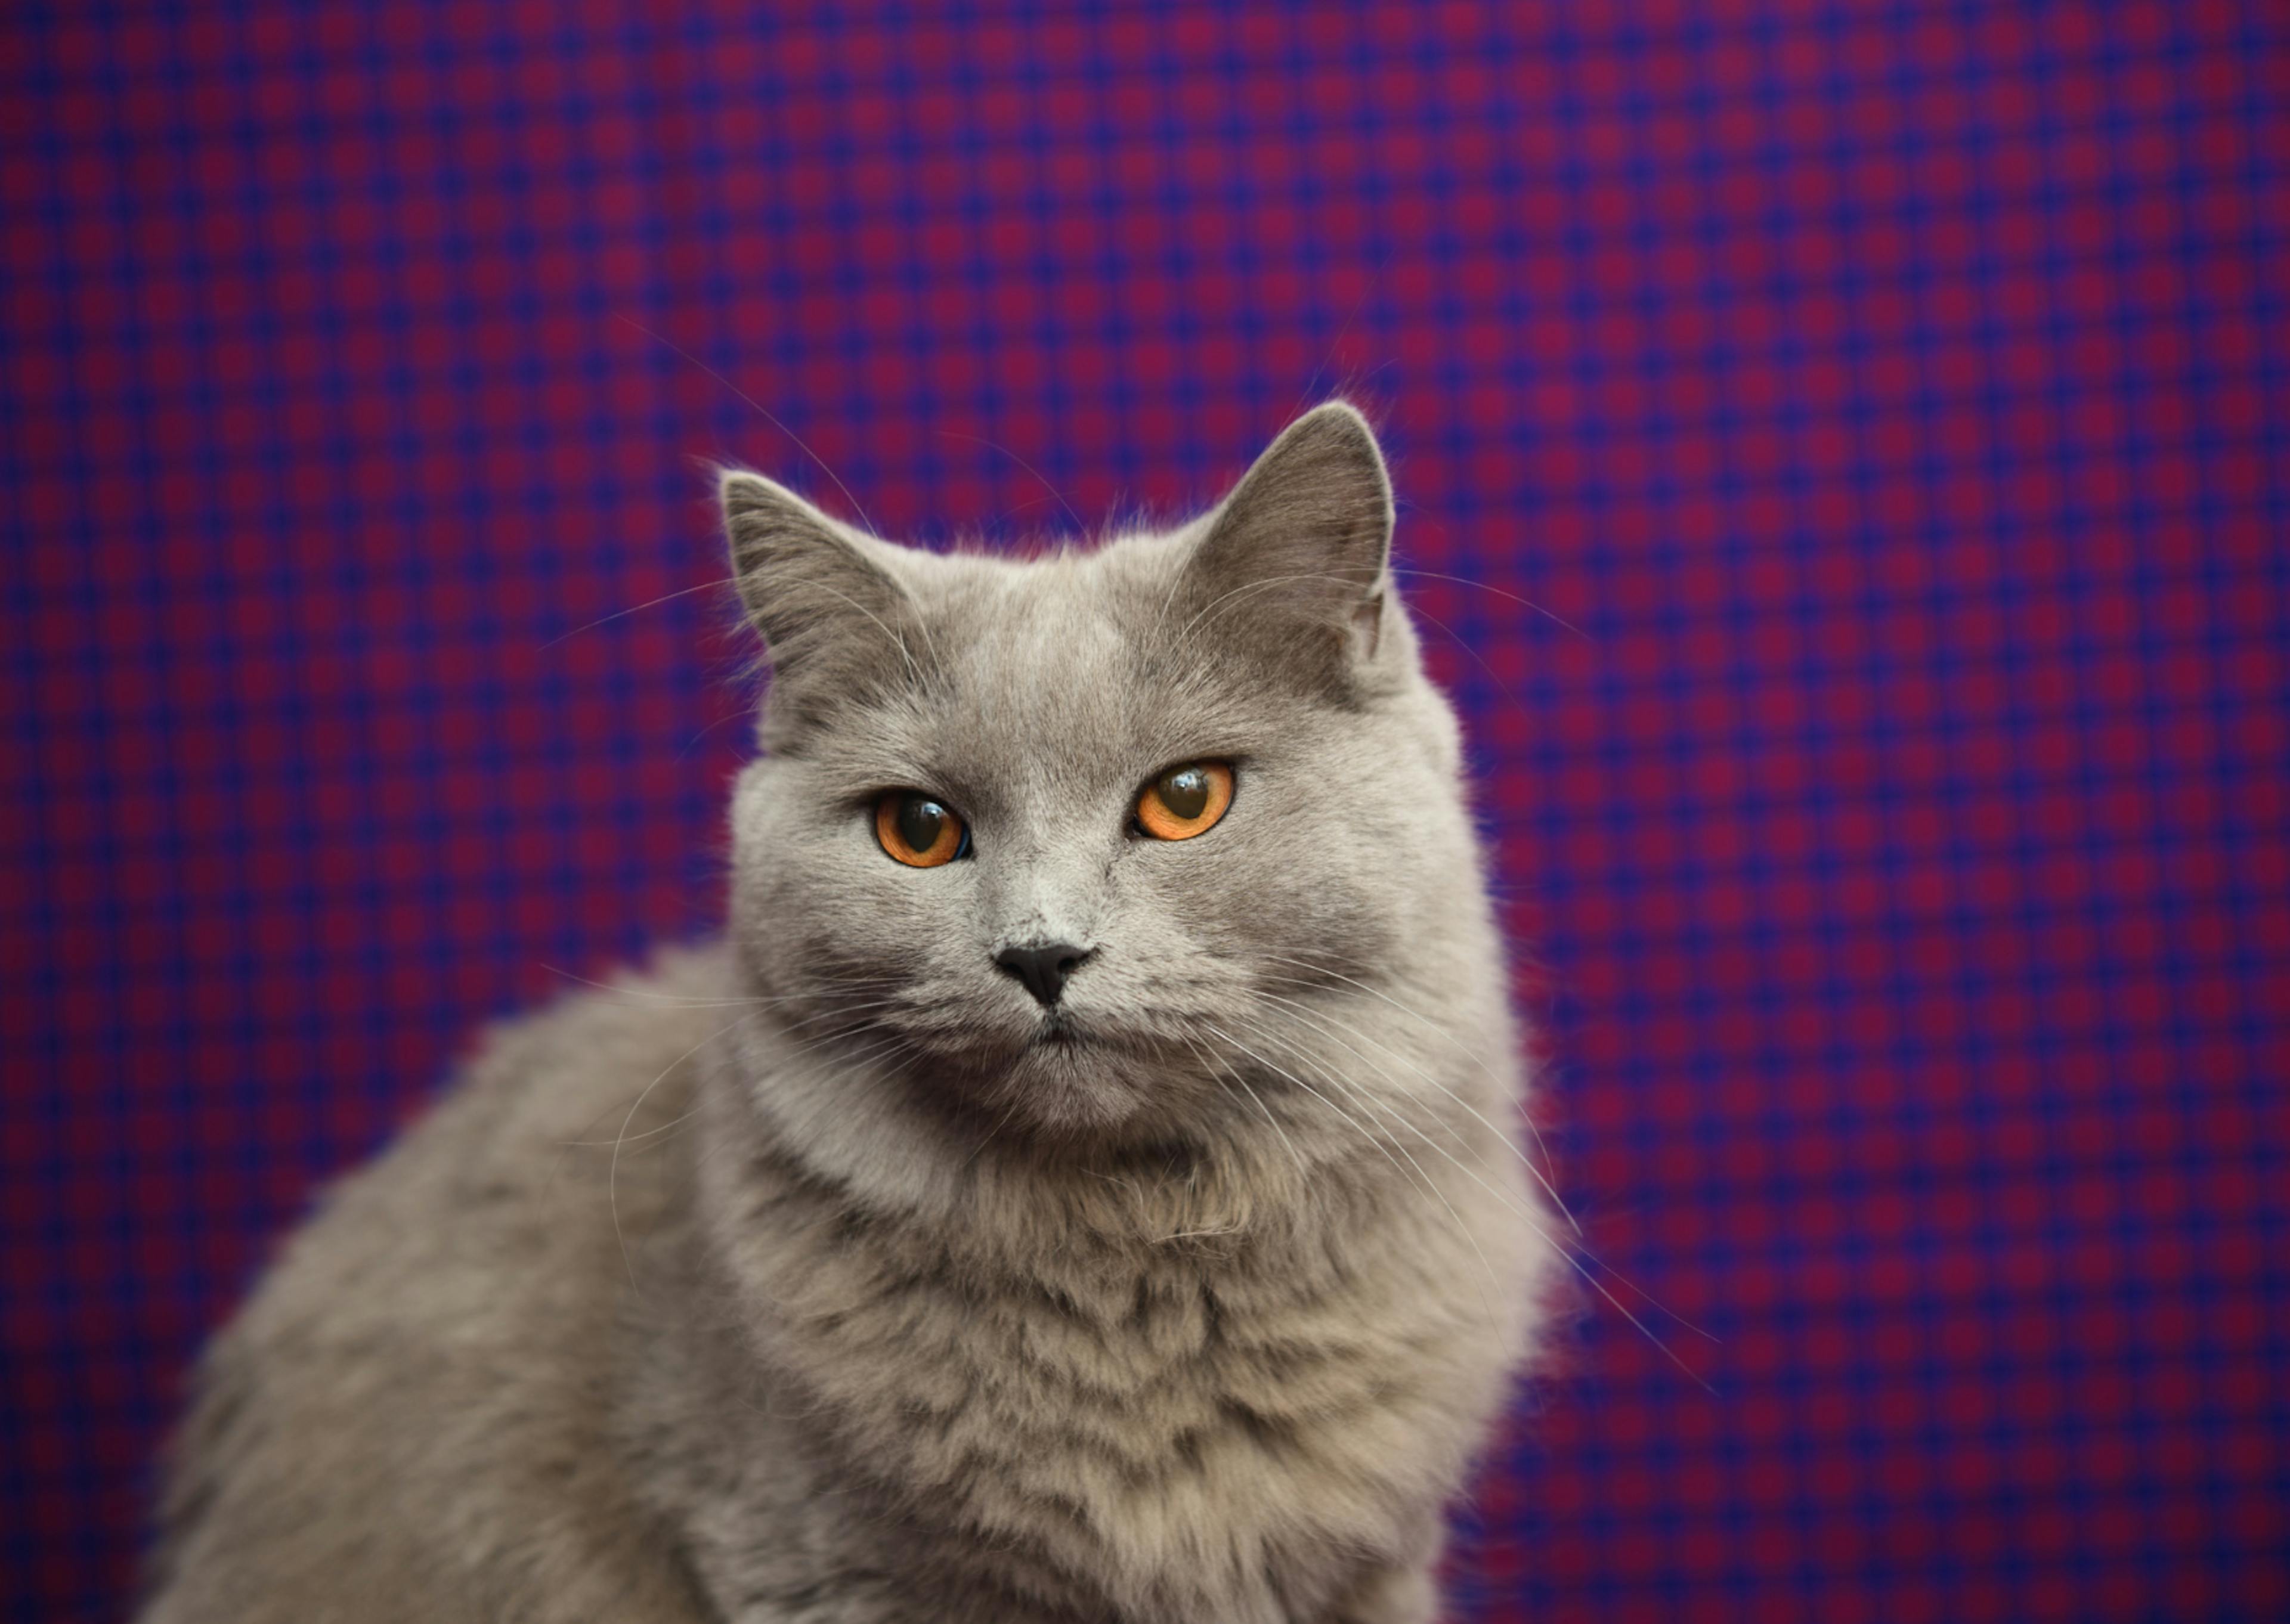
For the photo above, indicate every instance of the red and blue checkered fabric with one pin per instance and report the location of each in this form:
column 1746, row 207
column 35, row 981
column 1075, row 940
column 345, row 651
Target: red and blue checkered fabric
column 1892, row 401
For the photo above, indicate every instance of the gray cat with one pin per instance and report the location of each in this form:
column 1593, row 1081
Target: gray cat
column 1080, row 1185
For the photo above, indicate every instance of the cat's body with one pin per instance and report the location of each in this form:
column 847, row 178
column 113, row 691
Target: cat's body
column 831, row 1274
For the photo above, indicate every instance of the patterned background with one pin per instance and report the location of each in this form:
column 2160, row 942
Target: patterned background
column 1893, row 397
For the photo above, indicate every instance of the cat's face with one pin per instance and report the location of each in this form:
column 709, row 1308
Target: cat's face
column 965, row 859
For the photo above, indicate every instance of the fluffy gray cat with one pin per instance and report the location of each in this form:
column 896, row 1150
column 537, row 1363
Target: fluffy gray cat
column 1081, row 1185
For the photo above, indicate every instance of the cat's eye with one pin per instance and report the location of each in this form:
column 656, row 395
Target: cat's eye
column 1185, row 801
column 920, row 830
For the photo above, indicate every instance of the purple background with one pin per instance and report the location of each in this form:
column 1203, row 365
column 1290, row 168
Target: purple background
column 1895, row 397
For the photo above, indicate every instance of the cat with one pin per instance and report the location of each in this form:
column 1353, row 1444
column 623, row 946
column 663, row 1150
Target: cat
column 1080, row 1184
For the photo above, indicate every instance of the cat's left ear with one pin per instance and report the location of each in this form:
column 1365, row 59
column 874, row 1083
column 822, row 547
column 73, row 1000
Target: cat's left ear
column 1297, row 558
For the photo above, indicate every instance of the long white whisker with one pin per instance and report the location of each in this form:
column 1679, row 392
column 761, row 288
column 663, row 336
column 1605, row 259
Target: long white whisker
column 759, row 412
column 1567, row 1252
column 1396, row 1116
column 875, row 1049
column 670, row 1001
column 1303, row 1173
column 1430, row 1183
column 1080, row 526
column 897, row 640
column 1372, row 1138
column 1465, row 581
column 622, row 615
column 613, row 1171
column 1258, row 585
column 1464, row 1049
column 1524, row 1161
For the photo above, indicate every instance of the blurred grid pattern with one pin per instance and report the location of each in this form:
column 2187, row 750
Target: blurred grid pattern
column 1893, row 402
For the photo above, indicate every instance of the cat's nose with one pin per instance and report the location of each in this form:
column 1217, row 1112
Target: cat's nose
column 1042, row 969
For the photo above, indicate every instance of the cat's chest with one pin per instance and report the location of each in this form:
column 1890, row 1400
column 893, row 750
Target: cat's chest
column 1196, row 1431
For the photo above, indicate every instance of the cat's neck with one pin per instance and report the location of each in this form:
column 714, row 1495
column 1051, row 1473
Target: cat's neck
column 1237, row 1194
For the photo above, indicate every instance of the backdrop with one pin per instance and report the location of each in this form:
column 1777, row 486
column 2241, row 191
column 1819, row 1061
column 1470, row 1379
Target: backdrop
column 1842, row 450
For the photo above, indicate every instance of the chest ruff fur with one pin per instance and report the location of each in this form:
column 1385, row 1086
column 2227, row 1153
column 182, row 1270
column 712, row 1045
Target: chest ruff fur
column 1116, row 1410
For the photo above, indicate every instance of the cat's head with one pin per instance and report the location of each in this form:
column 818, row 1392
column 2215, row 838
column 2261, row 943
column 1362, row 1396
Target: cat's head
column 1070, row 843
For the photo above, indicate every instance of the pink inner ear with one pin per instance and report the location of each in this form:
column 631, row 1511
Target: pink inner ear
column 1367, row 627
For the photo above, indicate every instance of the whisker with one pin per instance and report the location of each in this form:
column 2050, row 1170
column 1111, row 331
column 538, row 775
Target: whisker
column 1302, row 1173
column 758, row 408
column 624, row 1138
column 1079, row 524
column 1272, row 1066
column 1465, row 1050
column 1430, row 1184
column 742, row 714
column 669, row 1001
column 1524, row 1160
column 898, row 640
column 1464, row 580
column 883, row 1046
column 622, row 615
column 1510, row 695
column 1566, row 1251
column 980, row 1150
column 612, row 1173
column 1246, row 587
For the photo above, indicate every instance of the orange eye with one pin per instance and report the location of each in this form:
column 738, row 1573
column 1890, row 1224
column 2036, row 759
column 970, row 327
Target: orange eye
column 921, row 831
column 1185, row 801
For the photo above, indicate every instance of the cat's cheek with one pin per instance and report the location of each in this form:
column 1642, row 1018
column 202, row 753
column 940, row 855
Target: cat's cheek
column 1440, row 736
column 1290, row 887
column 750, row 799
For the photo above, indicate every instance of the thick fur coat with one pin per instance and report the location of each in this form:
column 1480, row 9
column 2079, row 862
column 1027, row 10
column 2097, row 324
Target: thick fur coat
column 834, row 1272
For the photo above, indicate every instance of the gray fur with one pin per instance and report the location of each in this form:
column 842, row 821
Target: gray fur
column 818, row 1274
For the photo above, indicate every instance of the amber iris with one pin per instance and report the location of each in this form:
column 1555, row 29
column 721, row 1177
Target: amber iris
column 1185, row 801
column 920, row 830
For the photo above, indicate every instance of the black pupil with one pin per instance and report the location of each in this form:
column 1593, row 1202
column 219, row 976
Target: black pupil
column 920, row 822
column 1185, row 792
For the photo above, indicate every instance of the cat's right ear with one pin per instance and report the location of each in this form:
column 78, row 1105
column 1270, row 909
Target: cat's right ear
column 836, row 619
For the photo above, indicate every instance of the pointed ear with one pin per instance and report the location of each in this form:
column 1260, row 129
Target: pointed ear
column 837, row 622
column 1297, row 554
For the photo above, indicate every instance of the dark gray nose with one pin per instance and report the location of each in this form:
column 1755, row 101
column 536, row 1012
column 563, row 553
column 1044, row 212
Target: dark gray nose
column 1043, row 969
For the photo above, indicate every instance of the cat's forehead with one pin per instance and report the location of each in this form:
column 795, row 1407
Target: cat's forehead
column 1078, row 620
column 1060, row 673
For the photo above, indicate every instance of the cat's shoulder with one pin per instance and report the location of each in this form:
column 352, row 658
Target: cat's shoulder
column 411, row 1411
column 551, row 1131
column 523, row 1180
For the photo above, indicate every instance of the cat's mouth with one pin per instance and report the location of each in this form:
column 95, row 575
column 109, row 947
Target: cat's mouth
column 1060, row 1038
column 1079, row 1076
column 1061, row 1033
